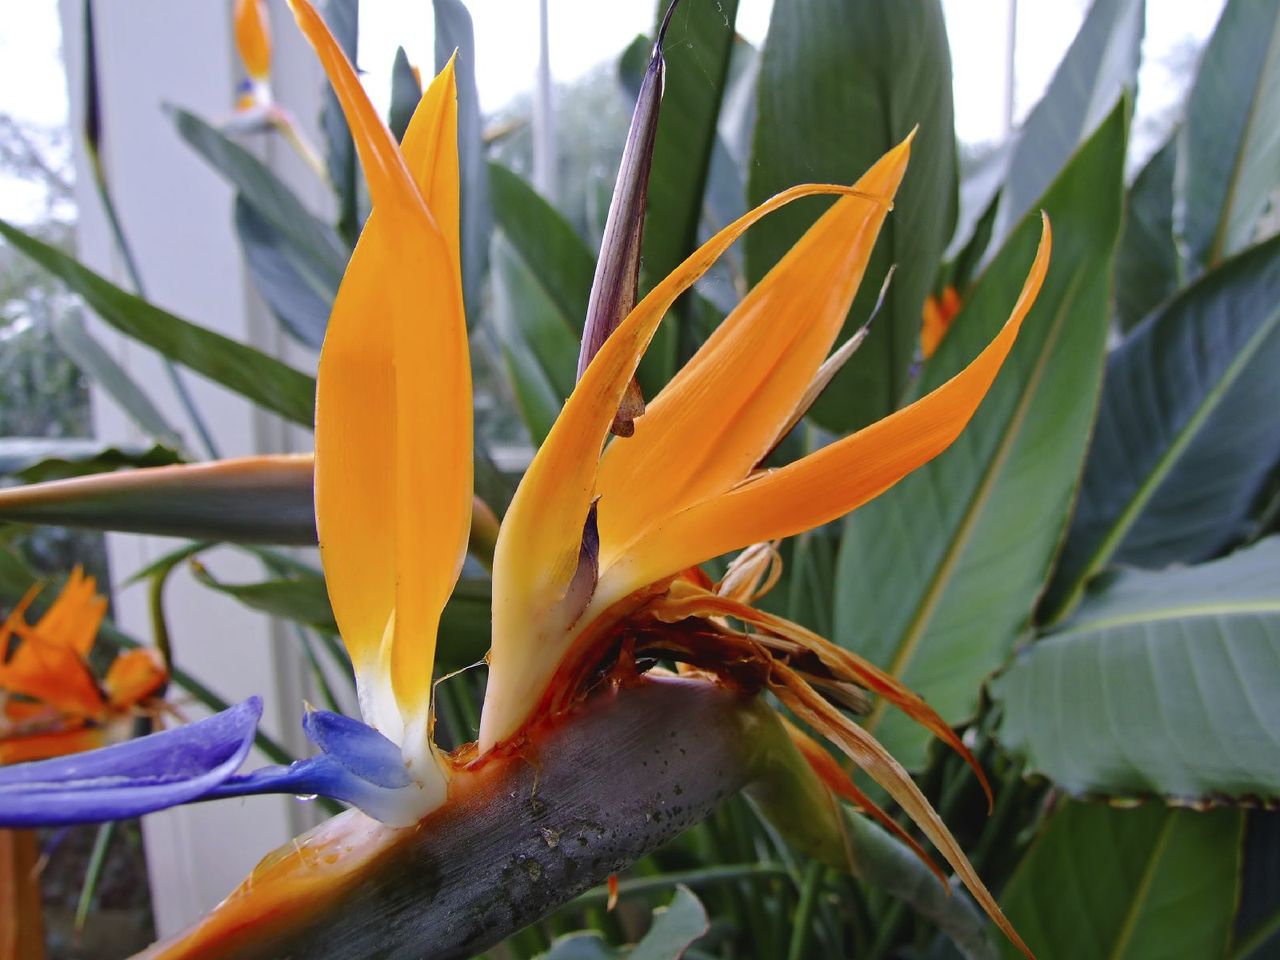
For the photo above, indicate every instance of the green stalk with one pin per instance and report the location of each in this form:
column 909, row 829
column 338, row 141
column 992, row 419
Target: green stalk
column 696, row 879
column 93, row 873
column 800, row 926
column 306, row 641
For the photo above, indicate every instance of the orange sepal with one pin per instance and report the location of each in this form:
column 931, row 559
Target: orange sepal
column 833, row 481
column 134, row 676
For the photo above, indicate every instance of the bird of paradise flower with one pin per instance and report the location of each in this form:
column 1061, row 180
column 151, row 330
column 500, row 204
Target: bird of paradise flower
column 51, row 702
column 596, row 567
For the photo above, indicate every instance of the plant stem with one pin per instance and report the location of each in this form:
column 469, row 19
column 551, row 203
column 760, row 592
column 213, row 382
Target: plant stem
column 97, row 859
column 809, row 889
column 159, row 627
column 703, row 877
column 890, row 928
column 306, row 641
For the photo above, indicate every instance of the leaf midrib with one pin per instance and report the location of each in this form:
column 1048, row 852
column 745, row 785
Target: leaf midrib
column 1183, row 612
column 982, row 492
column 1166, row 461
column 1143, row 891
column 1216, row 250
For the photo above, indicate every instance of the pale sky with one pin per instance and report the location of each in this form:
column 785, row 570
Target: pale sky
column 585, row 33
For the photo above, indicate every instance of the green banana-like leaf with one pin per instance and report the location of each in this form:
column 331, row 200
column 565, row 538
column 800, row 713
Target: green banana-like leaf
column 405, row 94
column 77, row 343
column 698, row 47
column 1100, row 65
column 538, row 341
column 34, row 459
column 302, row 598
column 938, row 576
column 296, row 260
column 454, row 32
column 672, row 930
column 343, row 18
column 320, row 254
column 1144, row 884
column 253, row 500
column 266, row 381
column 546, row 242
column 464, row 624
column 301, row 307
column 1160, row 683
column 1188, row 427
column 1229, row 151
column 826, row 114
column 1257, row 924
column 1147, row 260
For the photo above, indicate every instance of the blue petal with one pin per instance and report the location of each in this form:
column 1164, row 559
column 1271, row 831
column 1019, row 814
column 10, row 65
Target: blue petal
column 358, row 747
column 132, row 778
column 323, row 776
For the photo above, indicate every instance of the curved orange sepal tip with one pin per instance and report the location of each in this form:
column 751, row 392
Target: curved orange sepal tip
column 253, row 38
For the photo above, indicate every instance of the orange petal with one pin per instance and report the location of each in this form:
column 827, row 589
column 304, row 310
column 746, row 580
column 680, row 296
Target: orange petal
column 42, row 746
column 72, row 620
column 253, row 38
column 393, row 403
column 53, row 674
column 724, row 410
column 134, row 676
column 538, row 545
column 831, row 482
column 864, row 750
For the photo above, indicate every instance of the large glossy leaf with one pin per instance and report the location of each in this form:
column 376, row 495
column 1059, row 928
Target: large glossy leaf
column 1101, row 63
column 77, row 343
column 1229, row 155
column 464, row 625
column 539, row 344
column 302, row 597
column 1188, row 427
column 674, row 929
column 249, row 372
column 1160, row 683
column 698, row 48
column 841, row 81
column 938, row 575
column 545, row 241
column 343, row 18
column 1257, row 925
column 54, row 458
column 1144, row 884
column 405, row 94
column 317, row 252
column 1147, row 260
column 302, row 307
column 454, row 32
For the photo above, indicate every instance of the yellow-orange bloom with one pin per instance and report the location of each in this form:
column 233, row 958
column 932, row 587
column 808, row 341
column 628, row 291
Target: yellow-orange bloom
column 936, row 319
column 253, row 38
column 51, row 703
